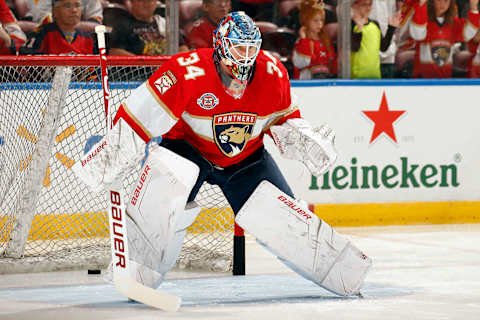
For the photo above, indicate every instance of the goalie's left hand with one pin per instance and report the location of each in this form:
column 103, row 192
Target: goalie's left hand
column 313, row 147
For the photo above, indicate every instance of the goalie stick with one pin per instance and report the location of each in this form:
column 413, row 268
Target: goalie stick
column 122, row 279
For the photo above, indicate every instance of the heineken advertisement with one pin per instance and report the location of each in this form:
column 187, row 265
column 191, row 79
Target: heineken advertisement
column 402, row 175
column 396, row 144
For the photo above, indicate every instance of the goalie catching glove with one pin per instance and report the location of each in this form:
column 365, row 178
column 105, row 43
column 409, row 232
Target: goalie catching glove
column 117, row 153
column 314, row 147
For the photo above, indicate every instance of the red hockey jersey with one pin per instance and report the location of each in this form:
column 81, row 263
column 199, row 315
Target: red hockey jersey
column 434, row 54
column 49, row 39
column 186, row 92
column 312, row 59
column 404, row 40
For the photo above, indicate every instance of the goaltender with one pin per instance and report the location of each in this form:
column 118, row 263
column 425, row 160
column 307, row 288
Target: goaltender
column 212, row 107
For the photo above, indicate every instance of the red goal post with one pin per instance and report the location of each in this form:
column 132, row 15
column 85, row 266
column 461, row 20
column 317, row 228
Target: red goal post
column 50, row 108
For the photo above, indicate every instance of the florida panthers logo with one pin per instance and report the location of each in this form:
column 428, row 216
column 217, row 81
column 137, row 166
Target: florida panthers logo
column 440, row 55
column 232, row 131
column 440, row 50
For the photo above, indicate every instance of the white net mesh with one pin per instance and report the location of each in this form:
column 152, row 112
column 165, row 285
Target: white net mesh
column 70, row 227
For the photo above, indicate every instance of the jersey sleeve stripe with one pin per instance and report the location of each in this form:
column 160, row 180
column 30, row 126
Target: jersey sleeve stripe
column 209, row 139
column 160, row 102
column 202, row 126
column 282, row 116
column 145, row 109
column 133, row 122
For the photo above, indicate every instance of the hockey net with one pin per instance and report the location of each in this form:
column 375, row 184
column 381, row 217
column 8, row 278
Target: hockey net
column 51, row 108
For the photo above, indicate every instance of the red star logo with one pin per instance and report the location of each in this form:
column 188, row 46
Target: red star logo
column 383, row 120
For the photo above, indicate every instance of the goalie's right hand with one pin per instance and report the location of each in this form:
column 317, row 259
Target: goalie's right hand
column 93, row 168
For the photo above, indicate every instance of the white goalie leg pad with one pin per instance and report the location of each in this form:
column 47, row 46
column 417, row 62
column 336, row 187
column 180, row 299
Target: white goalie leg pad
column 303, row 241
column 173, row 249
column 117, row 153
column 157, row 218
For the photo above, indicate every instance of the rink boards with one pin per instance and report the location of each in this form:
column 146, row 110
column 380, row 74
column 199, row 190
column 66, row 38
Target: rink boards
column 407, row 152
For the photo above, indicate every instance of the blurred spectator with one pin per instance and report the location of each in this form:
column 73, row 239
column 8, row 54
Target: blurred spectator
column 313, row 54
column 292, row 20
column 474, row 48
column 381, row 11
column 11, row 36
column 259, row 10
column 367, row 40
column 404, row 42
column 200, row 34
column 61, row 36
column 436, row 28
column 403, row 38
column 289, row 17
column 40, row 11
column 142, row 32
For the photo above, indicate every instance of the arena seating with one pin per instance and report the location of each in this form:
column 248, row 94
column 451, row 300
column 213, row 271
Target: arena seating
column 404, row 63
column 266, row 26
column 285, row 7
column 21, row 10
column 332, row 31
column 281, row 42
column 189, row 10
column 460, row 63
column 112, row 12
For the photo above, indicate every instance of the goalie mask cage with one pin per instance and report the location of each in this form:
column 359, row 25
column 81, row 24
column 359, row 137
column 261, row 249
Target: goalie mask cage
column 51, row 107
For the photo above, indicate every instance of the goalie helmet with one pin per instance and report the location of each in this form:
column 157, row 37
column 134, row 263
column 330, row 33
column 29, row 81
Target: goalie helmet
column 236, row 43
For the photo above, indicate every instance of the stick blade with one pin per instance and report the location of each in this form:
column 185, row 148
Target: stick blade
column 154, row 298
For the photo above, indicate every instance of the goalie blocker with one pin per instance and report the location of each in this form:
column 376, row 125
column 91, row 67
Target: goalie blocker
column 302, row 241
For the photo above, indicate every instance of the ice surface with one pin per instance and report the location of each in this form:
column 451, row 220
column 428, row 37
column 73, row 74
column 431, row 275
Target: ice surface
column 419, row 272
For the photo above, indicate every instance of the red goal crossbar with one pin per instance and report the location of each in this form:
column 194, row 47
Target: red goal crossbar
column 81, row 60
